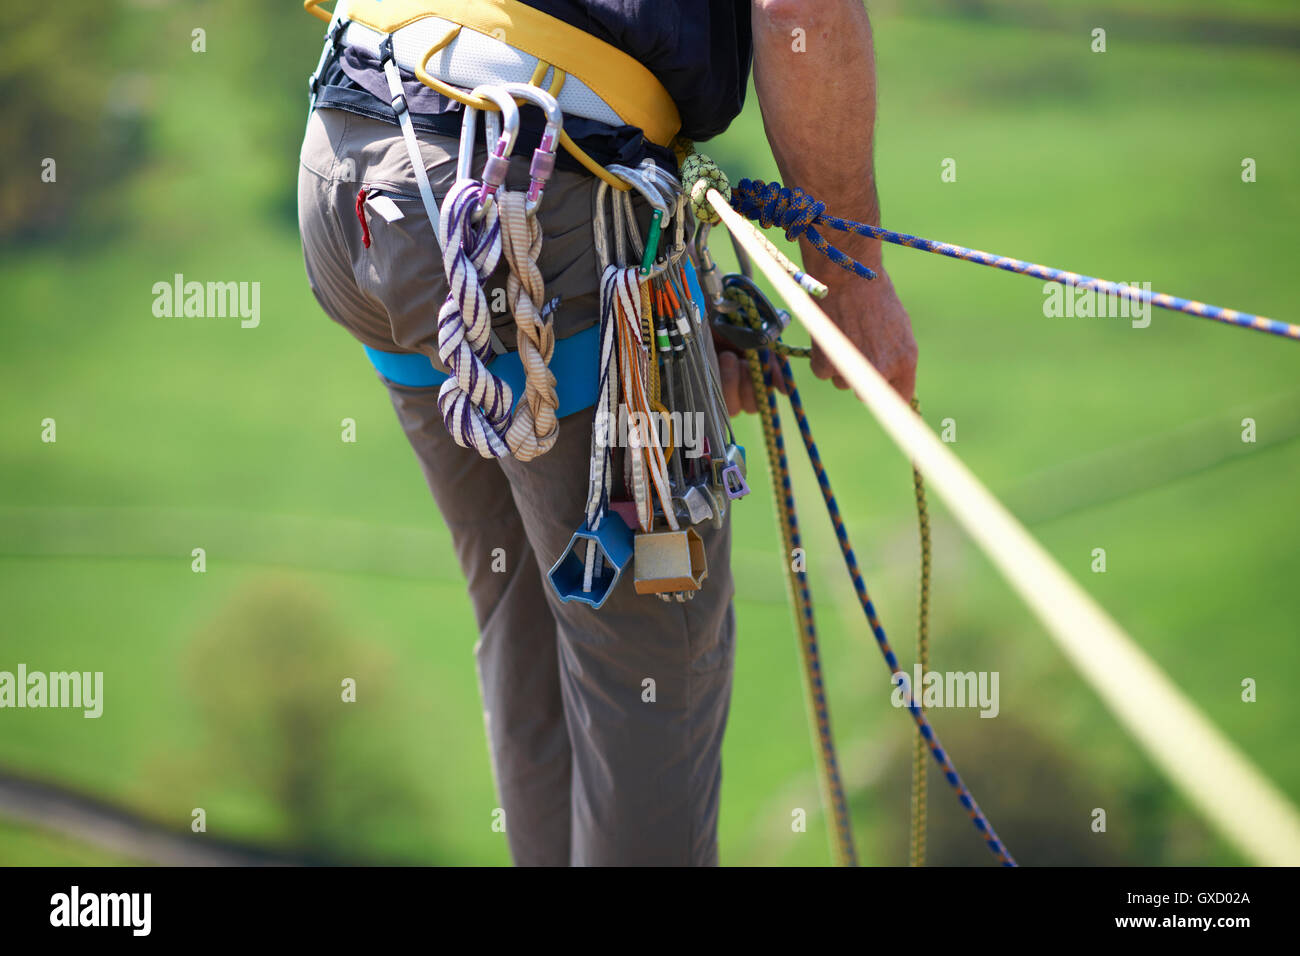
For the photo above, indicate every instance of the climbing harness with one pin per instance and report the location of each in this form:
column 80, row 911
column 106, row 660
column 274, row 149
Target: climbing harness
column 664, row 459
column 454, row 46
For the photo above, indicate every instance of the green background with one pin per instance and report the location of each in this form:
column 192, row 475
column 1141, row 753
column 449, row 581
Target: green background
column 327, row 559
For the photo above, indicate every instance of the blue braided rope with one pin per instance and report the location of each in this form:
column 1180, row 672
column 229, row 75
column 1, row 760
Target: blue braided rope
column 792, row 209
column 799, row 214
column 820, row 705
column 941, row 756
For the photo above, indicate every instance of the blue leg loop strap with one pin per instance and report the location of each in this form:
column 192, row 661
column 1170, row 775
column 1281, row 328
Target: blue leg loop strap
column 573, row 364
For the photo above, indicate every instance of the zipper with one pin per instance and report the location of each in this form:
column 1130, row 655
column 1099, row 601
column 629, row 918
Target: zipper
column 387, row 189
column 368, row 190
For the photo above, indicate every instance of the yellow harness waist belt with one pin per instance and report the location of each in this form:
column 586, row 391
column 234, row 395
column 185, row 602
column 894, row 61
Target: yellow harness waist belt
column 629, row 89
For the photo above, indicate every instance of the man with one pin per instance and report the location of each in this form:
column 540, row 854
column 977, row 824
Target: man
column 590, row 768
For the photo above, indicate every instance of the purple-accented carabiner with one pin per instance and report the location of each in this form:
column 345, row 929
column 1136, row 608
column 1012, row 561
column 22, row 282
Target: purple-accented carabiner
column 498, row 160
column 543, row 164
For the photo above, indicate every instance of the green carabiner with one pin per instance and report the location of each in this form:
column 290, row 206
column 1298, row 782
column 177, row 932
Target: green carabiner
column 652, row 242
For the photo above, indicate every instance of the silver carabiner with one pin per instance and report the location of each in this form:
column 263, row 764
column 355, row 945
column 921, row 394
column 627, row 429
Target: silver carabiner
column 505, row 131
column 543, row 163
column 669, row 185
column 710, row 278
column 498, row 160
column 642, row 183
column 640, row 180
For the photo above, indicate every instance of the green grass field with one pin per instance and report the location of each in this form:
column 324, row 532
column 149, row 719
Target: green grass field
column 326, row 558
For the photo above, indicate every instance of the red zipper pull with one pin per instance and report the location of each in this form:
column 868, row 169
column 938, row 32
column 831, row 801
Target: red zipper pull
column 361, row 215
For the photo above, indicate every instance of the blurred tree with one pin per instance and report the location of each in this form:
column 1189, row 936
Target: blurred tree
column 1040, row 799
column 56, row 81
column 279, row 46
column 266, row 677
column 80, row 84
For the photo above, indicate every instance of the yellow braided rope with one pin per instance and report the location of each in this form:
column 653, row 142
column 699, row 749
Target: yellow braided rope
column 920, row 750
column 748, row 311
column 648, row 334
column 842, row 841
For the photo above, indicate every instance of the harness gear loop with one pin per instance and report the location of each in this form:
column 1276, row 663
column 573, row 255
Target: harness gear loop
column 314, row 8
column 469, row 100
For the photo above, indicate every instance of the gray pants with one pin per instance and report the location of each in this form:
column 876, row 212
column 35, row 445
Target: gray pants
column 605, row 726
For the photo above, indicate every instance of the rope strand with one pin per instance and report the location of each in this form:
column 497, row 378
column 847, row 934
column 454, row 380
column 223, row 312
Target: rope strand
column 792, row 209
column 778, row 467
column 799, row 214
column 534, row 427
column 783, row 490
column 941, row 757
column 919, row 763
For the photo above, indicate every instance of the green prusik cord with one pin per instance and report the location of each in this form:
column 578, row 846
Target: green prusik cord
column 920, row 750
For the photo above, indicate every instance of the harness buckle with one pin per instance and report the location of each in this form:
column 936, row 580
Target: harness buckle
column 333, row 39
column 387, row 59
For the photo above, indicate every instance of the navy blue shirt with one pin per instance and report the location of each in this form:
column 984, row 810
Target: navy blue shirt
column 700, row 50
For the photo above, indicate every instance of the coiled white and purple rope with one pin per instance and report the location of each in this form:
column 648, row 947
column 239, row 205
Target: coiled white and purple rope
column 476, row 404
